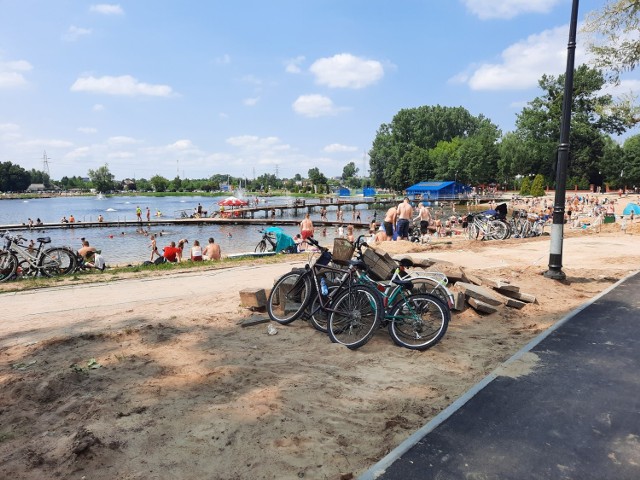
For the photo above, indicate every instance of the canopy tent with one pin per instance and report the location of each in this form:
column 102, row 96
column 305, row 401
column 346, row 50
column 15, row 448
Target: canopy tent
column 233, row 202
column 435, row 190
column 631, row 207
column 283, row 241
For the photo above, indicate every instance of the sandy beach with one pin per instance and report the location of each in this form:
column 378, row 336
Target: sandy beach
column 129, row 379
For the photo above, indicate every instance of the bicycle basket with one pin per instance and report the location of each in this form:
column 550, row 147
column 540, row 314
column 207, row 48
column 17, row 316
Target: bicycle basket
column 381, row 267
column 342, row 251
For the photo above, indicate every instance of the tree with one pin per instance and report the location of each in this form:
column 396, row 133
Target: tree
column 159, row 183
column 525, row 188
column 13, row 178
column 614, row 40
column 537, row 187
column 349, row 171
column 631, row 172
column 316, row 177
column 102, row 179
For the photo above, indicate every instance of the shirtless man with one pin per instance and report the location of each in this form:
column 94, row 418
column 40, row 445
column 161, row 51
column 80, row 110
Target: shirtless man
column 389, row 221
column 424, row 214
column 405, row 213
column 211, row 251
column 306, row 227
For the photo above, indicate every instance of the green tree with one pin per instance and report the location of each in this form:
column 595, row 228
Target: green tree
column 102, row 179
column 614, row 40
column 13, row 178
column 316, row 177
column 159, row 183
column 537, row 187
column 630, row 175
column 349, row 171
column 143, row 185
column 445, row 158
column 525, row 188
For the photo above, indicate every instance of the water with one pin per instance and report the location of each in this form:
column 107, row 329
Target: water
column 123, row 245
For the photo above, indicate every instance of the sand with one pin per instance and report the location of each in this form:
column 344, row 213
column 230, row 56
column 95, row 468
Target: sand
column 155, row 378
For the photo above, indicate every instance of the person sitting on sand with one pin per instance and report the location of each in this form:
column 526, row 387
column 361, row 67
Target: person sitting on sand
column 212, row 251
column 196, row 252
column 171, row 253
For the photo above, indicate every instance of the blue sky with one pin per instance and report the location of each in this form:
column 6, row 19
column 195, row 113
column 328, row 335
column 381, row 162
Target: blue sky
column 253, row 87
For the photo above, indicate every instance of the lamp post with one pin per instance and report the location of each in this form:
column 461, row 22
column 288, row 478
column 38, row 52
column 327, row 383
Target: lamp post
column 555, row 254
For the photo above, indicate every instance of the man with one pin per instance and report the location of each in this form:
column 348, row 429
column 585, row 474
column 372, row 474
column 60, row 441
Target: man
column 389, row 221
column 212, row 251
column 89, row 254
column 148, row 214
column 424, row 214
column 139, row 213
column 405, row 212
column 306, row 227
column 171, row 253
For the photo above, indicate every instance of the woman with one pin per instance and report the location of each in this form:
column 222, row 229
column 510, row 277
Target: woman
column 196, row 251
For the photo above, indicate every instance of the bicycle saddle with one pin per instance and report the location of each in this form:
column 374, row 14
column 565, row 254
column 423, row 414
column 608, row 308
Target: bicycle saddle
column 44, row 240
column 408, row 284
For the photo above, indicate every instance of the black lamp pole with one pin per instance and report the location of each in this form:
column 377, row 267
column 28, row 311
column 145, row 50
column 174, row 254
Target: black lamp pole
column 555, row 255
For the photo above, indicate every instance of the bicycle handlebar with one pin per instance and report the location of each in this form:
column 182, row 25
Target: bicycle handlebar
column 315, row 243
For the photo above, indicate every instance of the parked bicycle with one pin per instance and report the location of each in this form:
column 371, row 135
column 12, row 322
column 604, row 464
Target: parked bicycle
column 267, row 243
column 29, row 260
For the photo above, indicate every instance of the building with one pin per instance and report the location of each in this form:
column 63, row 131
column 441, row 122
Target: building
column 433, row 190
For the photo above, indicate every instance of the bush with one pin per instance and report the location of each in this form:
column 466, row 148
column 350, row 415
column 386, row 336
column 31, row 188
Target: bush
column 537, row 187
column 525, row 188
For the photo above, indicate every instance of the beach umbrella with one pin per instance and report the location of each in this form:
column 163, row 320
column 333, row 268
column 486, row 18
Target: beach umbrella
column 233, row 202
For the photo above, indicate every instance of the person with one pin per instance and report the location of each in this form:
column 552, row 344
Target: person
column 373, row 227
column 38, row 222
column 72, row 219
column 158, row 213
column 196, row 251
column 350, row 235
column 181, row 243
column 100, row 218
column 389, row 221
column 154, row 248
column 90, row 255
column 306, row 227
column 139, row 213
column 30, row 223
column 340, row 231
column 199, row 211
column 424, row 214
column 623, row 224
column 300, row 244
column 148, row 214
column 358, row 216
column 64, row 220
column 171, row 253
column 211, row 251
column 405, row 213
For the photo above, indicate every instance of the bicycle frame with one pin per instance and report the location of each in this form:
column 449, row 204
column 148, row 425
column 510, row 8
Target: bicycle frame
column 345, row 280
column 12, row 245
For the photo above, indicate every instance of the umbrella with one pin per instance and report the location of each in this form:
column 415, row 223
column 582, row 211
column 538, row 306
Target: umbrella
column 233, row 202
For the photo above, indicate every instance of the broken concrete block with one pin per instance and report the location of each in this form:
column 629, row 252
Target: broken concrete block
column 458, row 301
column 479, row 293
column 481, row 306
column 253, row 298
column 524, row 297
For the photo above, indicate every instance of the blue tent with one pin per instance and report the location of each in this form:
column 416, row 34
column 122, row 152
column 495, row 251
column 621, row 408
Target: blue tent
column 631, row 207
column 434, row 190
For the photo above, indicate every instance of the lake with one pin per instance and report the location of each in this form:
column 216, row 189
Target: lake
column 123, row 245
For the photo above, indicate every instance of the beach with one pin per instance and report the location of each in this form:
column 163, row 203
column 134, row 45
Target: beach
column 154, row 376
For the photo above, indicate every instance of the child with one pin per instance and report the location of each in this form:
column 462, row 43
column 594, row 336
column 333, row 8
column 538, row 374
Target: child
column 154, row 248
column 196, row 251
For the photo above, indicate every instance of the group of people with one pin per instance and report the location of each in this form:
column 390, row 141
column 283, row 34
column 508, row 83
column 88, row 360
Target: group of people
column 176, row 252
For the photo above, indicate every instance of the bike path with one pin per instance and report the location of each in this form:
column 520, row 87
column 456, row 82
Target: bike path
column 574, row 415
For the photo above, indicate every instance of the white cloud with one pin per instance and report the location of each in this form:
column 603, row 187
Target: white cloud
column 624, row 88
column 506, row 9
column 74, row 33
column 315, row 106
column 80, row 152
column 107, row 9
column 98, row 107
column 346, row 71
column 120, row 155
column 121, row 140
column 336, row 148
column 123, row 85
column 87, row 130
column 293, row 64
column 523, row 63
column 257, row 144
column 250, row 102
column 11, row 73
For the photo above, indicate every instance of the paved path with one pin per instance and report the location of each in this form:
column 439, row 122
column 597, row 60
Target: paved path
column 566, row 407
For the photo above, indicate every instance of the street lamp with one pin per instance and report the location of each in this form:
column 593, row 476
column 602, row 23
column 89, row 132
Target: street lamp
column 555, row 254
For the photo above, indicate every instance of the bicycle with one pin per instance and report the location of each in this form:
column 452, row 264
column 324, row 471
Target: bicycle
column 267, row 238
column 33, row 261
column 487, row 226
column 355, row 307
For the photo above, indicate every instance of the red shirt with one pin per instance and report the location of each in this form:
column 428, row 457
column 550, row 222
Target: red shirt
column 171, row 253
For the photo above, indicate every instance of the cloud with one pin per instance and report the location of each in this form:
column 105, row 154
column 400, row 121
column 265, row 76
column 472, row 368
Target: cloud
column 98, row 107
column 252, row 143
column 87, row 130
column 250, row 102
column 315, row 106
column 523, row 63
column 293, row 64
column 11, row 75
column 346, row 71
column 123, row 85
column 121, row 140
column 74, row 33
column 107, row 9
column 336, row 147
column 506, row 9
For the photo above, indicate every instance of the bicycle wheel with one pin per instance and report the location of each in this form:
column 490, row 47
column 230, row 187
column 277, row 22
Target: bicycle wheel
column 418, row 321
column 318, row 317
column 498, row 229
column 261, row 247
column 358, row 312
column 57, row 261
column 8, row 266
column 289, row 297
column 473, row 231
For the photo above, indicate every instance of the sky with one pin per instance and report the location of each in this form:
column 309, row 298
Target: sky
column 203, row 87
